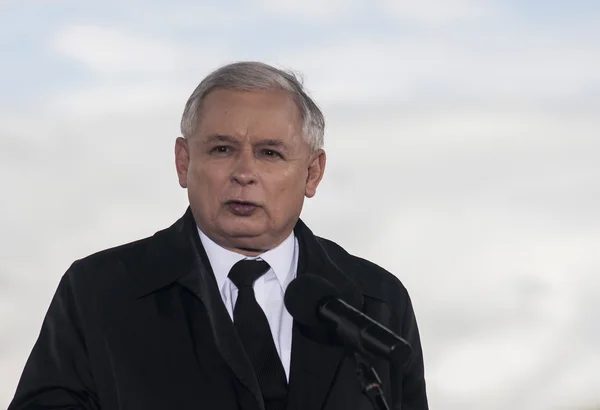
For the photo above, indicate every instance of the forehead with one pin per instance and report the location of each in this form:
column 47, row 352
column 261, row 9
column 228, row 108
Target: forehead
column 258, row 110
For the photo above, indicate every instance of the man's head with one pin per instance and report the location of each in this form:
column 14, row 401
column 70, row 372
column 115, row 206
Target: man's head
column 251, row 151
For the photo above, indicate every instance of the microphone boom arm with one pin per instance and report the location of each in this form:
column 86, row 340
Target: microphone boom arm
column 370, row 382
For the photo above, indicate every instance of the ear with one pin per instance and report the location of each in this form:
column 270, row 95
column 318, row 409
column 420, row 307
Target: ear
column 182, row 160
column 316, row 169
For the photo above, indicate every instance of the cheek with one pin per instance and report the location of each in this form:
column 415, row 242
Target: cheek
column 207, row 184
column 290, row 189
column 212, row 183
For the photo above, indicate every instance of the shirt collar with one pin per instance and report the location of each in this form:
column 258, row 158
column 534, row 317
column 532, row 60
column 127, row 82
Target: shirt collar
column 222, row 260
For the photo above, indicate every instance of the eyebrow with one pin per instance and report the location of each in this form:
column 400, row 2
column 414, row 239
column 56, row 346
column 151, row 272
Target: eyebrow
column 220, row 138
column 271, row 143
column 231, row 140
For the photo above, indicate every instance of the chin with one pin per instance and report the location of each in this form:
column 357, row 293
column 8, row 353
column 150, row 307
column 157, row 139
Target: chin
column 248, row 240
column 244, row 229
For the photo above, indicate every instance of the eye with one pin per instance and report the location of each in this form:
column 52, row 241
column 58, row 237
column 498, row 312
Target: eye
column 221, row 149
column 271, row 153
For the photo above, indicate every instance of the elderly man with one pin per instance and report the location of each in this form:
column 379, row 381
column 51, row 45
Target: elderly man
column 194, row 317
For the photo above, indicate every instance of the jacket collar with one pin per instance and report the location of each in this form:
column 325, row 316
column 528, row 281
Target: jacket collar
column 174, row 252
column 177, row 255
column 168, row 257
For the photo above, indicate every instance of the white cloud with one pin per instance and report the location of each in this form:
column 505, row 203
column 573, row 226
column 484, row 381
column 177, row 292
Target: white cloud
column 501, row 360
column 112, row 51
column 311, row 10
column 407, row 69
column 576, row 386
column 436, row 11
column 423, row 11
column 118, row 97
column 443, row 71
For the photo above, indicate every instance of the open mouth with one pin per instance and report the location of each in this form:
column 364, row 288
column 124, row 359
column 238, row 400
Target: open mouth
column 242, row 208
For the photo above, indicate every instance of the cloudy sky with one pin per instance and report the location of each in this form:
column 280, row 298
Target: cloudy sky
column 463, row 141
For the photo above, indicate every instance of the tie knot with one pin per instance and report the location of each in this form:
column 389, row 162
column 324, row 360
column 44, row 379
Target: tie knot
column 245, row 272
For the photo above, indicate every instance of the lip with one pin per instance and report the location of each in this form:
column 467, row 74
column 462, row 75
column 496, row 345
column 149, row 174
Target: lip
column 240, row 202
column 241, row 208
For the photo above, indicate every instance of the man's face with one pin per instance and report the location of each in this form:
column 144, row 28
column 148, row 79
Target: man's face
column 248, row 168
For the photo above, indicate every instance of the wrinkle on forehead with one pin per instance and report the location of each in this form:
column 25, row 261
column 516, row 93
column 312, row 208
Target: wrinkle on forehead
column 251, row 116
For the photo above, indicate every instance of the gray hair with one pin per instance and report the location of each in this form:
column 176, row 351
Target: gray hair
column 256, row 76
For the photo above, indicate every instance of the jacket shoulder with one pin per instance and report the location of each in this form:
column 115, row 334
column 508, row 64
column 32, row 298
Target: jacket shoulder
column 373, row 279
column 115, row 255
column 114, row 269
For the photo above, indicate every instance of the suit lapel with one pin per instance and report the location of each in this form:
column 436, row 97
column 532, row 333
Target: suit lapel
column 202, row 283
column 316, row 356
column 184, row 260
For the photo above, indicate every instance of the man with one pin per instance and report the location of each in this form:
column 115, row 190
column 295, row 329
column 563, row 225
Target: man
column 193, row 317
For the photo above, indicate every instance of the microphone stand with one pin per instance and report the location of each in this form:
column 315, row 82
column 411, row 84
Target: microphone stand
column 370, row 382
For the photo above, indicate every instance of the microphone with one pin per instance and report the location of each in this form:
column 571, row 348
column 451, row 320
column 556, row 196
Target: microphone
column 315, row 302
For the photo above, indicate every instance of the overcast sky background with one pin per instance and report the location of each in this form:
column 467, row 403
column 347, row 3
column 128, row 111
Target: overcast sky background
column 463, row 141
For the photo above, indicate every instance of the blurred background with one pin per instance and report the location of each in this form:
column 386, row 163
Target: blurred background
column 463, row 141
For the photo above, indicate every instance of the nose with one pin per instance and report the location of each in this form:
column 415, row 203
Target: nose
column 244, row 172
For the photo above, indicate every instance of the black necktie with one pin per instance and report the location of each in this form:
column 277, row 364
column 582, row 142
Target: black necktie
column 254, row 331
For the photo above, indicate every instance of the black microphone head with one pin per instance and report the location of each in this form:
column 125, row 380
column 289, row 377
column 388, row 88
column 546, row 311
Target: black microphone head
column 304, row 295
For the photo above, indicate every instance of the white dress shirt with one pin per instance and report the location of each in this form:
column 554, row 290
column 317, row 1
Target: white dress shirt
column 269, row 288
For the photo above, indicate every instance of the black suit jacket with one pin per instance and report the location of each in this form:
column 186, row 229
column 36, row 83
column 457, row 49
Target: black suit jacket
column 143, row 326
